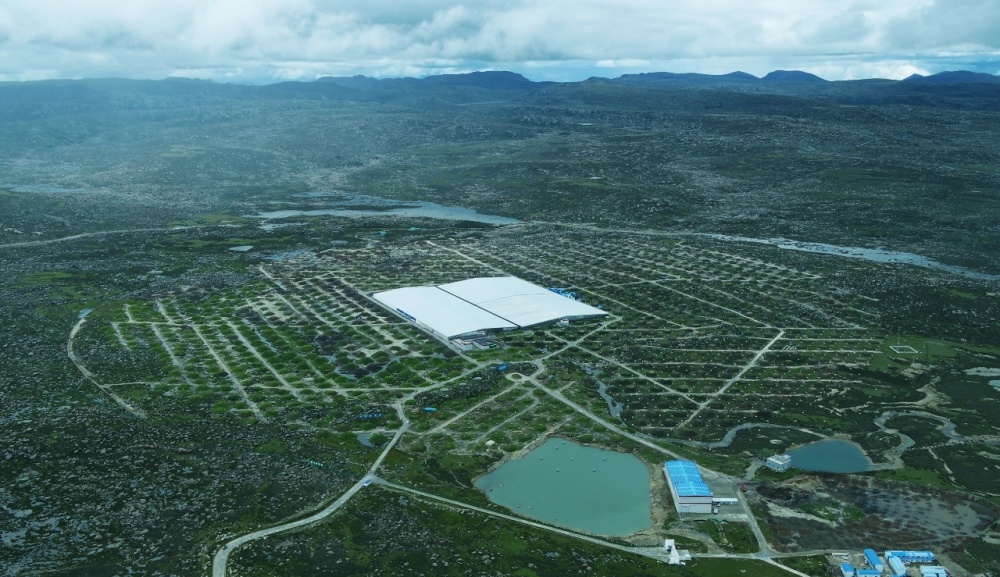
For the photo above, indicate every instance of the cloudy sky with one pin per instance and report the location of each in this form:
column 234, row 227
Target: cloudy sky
column 273, row 40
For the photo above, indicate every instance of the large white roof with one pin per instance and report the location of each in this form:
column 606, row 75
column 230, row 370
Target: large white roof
column 477, row 304
column 519, row 301
column 440, row 311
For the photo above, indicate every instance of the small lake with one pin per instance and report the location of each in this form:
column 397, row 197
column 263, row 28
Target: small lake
column 43, row 188
column 871, row 254
column 830, row 456
column 585, row 488
column 359, row 205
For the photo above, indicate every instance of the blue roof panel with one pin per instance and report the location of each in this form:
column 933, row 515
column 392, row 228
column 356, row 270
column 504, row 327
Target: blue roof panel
column 686, row 479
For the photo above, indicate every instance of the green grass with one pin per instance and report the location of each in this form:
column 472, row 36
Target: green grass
column 920, row 476
column 45, row 278
column 816, row 565
column 273, row 446
column 383, row 532
column 731, row 536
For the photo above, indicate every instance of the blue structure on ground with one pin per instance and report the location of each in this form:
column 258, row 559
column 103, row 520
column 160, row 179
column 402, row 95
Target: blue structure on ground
column 847, row 570
column 565, row 292
column 430, row 409
column 868, row 573
column 689, row 491
column 911, row 556
column 873, row 561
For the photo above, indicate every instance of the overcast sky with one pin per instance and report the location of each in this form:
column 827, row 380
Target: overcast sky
column 272, row 40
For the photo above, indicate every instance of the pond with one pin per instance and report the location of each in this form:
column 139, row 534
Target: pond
column 585, row 488
column 830, row 456
column 43, row 188
column 871, row 254
column 358, row 205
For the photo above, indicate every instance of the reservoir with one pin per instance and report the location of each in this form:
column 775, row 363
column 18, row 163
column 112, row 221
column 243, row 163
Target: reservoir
column 830, row 456
column 585, row 488
column 359, row 205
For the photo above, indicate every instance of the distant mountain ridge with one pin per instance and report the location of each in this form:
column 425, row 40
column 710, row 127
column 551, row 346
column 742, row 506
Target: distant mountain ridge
column 791, row 76
column 954, row 89
column 954, row 77
column 796, row 76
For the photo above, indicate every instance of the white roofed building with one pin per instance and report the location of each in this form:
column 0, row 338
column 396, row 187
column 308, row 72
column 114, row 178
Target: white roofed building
column 519, row 301
column 439, row 312
column 482, row 304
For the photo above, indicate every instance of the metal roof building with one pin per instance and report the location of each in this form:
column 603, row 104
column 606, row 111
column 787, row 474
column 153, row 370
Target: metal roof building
column 896, row 567
column 519, row 301
column 912, row 556
column 873, row 561
column 689, row 491
column 492, row 303
column 439, row 312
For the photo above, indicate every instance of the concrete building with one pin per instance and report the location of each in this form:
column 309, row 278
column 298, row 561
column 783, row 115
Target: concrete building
column 677, row 556
column 933, row 571
column 688, row 490
column 778, row 463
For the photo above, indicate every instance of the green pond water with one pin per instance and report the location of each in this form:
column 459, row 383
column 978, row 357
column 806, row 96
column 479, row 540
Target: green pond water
column 561, row 482
column 830, row 456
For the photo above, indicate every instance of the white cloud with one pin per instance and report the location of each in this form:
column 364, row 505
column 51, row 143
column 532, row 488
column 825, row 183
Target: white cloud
column 258, row 39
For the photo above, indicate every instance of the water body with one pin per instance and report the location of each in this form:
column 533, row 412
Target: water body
column 289, row 255
column 359, row 205
column 871, row 254
column 585, row 488
column 614, row 407
column 41, row 188
column 830, row 456
column 983, row 372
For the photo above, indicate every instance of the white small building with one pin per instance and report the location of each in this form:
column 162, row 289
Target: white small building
column 677, row 556
column 779, row 463
column 463, row 345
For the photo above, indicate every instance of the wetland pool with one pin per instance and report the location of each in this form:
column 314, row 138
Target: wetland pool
column 359, row 205
column 585, row 488
column 830, row 456
column 870, row 254
column 42, row 188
